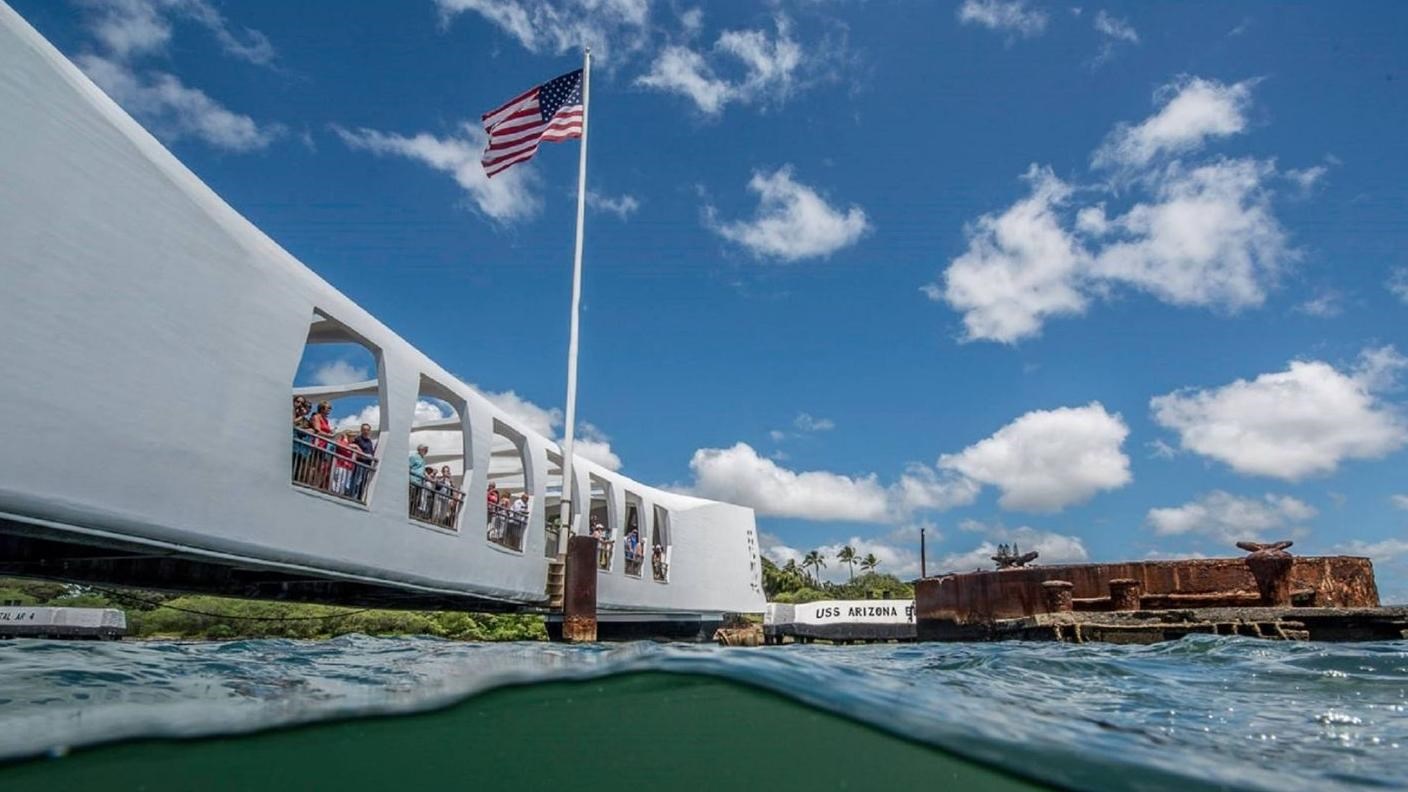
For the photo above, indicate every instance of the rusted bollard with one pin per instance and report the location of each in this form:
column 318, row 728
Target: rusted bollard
column 1125, row 594
column 579, row 602
column 1059, row 598
column 1271, row 565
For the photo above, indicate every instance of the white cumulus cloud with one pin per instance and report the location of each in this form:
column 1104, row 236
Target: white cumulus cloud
column 740, row 475
column 1114, row 32
column 1228, row 518
column 130, row 31
column 174, row 110
column 560, row 26
column 1207, row 238
column 623, row 206
column 806, row 422
column 1201, row 234
column 1021, row 267
column 1399, row 501
column 1194, row 110
column 1295, row 423
column 589, row 441
column 131, row 28
column 752, row 66
column 1014, row 17
column 1049, row 459
column 793, row 221
column 508, row 197
column 340, row 372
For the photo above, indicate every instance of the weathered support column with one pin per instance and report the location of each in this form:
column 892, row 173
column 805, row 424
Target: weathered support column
column 579, row 605
column 1059, row 598
column 1125, row 594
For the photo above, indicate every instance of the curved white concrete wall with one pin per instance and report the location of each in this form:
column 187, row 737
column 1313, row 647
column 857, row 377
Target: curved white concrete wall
column 148, row 338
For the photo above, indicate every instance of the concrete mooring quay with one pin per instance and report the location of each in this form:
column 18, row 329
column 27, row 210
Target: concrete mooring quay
column 1267, row 594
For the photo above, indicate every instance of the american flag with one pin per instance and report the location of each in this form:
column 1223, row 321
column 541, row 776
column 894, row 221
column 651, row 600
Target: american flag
column 552, row 112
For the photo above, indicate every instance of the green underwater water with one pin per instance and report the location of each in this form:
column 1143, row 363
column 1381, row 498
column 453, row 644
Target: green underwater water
column 641, row 730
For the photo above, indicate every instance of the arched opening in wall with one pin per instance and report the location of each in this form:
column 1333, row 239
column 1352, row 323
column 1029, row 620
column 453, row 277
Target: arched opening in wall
column 439, row 450
column 603, row 522
column 660, row 546
column 552, row 505
column 633, row 545
column 339, row 396
column 509, row 504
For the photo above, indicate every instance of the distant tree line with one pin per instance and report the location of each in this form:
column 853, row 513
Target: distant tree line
column 793, row 582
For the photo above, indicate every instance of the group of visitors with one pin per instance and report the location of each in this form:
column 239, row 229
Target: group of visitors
column 342, row 463
column 434, row 497
column 337, row 462
column 508, row 517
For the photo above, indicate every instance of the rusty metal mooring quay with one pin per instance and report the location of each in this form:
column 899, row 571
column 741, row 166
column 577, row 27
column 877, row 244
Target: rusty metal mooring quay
column 1269, row 594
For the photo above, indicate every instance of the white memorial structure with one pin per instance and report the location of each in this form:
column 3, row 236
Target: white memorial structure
column 149, row 340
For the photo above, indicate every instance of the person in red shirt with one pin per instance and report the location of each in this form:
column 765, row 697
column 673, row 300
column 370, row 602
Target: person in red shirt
column 342, row 465
column 322, row 427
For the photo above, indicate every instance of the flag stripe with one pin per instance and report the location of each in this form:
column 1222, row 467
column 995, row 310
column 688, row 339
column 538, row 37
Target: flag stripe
column 489, row 117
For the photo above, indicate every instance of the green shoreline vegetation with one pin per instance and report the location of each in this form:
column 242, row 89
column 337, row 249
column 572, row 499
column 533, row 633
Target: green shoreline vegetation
column 153, row 615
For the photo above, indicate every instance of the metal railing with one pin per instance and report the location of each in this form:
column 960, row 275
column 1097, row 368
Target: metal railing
column 319, row 463
column 659, row 567
column 605, row 549
column 436, row 503
column 507, row 527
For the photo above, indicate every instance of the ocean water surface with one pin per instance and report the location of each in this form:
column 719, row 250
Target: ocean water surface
column 1204, row 712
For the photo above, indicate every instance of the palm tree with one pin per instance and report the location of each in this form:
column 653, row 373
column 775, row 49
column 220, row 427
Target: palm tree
column 816, row 561
column 847, row 556
column 869, row 563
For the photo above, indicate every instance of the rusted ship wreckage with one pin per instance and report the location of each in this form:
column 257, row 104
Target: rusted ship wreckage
column 1268, row 594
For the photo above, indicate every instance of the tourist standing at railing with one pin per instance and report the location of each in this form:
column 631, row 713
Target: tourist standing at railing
column 493, row 498
column 428, row 493
column 633, row 548
column 445, row 502
column 303, row 466
column 322, row 427
column 342, row 465
column 366, row 456
column 520, row 506
column 418, row 479
column 657, row 562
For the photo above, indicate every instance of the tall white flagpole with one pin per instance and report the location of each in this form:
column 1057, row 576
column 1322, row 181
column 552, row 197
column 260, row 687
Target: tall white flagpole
column 567, row 488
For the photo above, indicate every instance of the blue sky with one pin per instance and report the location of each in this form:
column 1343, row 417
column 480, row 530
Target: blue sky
column 1108, row 280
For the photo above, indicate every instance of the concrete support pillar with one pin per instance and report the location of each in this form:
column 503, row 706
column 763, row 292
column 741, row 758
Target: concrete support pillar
column 579, row 604
column 1125, row 594
column 1059, row 598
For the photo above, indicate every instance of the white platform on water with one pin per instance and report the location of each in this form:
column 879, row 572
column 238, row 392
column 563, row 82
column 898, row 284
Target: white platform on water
column 149, row 338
